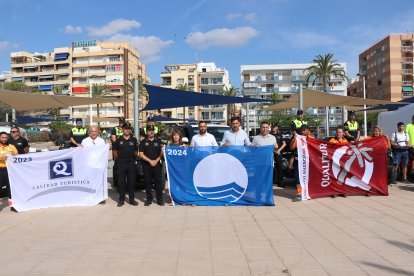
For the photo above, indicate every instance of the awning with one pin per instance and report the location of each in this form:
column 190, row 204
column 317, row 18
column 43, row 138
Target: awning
column 169, row 119
column 45, row 87
column 46, row 77
column 161, row 97
column 391, row 107
column 80, row 90
column 30, row 120
column 29, row 67
column 22, row 101
column 115, row 86
column 407, row 89
column 61, row 56
column 313, row 98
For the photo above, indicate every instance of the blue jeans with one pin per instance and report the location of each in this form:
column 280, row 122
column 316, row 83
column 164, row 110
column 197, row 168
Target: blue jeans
column 401, row 156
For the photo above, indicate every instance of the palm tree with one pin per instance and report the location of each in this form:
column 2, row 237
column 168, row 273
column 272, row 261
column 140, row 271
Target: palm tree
column 324, row 69
column 184, row 87
column 232, row 91
column 99, row 91
column 142, row 91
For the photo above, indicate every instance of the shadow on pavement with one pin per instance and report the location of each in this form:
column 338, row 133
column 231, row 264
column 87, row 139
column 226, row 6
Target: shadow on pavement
column 392, row 270
column 406, row 188
column 403, row 245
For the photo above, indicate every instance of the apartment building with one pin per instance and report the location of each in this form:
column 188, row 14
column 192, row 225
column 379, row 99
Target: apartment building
column 75, row 69
column 203, row 77
column 283, row 80
column 5, row 77
column 387, row 67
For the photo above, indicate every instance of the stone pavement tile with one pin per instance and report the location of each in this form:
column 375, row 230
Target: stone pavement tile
column 288, row 241
column 173, row 244
column 195, row 267
column 227, row 235
column 227, row 253
column 255, row 243
column 237, row 266
column 298, row 259
column 347, row 272
column 336, row 263
column 400, row 260
column 267, row 267
column 23, row 267
column 376, row 265
column 157, row 267
column 257, row 254
column 230, row 243
column 161, row 254
column 225, row 227
column 51, row 267
column 308, row 273
column 196, row 235
column 195, row 244
column 103, row 267
column 120, row 254
column 378, row 244
column 324, row 251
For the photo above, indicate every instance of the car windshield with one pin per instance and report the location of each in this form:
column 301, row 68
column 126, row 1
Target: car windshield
column 216, row 131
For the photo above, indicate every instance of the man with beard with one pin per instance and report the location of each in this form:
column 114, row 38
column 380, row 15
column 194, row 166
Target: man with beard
column 203, row 138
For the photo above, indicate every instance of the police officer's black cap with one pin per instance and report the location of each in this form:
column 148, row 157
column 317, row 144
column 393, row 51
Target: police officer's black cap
column 351, row 113
column 78, row 120
column 149, row 128
column 150, row 119
column 121, row 120
column 126, row 126
column 300, row 111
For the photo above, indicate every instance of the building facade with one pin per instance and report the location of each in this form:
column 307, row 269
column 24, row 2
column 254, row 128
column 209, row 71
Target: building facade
column 200, row 77
column 387, row 67
column 74, row 70
column 280, row 81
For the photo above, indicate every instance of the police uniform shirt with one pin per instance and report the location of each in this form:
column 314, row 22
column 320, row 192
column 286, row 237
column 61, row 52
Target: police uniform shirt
column 296, row 124
column 19, row 143
column 126, row 148
column 151, row 149
column 352, row 128
column 78, row 133
column 117, row 131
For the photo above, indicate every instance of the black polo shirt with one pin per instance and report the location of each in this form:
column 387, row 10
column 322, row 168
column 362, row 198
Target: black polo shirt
column 279, row 139
column 151, row 149
column 126, row 148
column 20, row 143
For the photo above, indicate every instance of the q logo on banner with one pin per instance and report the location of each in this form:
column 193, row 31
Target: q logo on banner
column 60, row 168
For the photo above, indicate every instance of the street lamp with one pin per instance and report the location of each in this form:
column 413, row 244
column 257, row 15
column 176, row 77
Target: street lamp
column 365, row 106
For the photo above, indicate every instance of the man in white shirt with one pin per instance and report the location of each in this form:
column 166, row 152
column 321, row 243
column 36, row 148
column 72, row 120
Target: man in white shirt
column 236, row 136
column 93, row 139
column 400, row 142
column 203, row 138
column 265, row 138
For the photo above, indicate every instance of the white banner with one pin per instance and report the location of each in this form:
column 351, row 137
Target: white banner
column 70, row 177
column 303, row 165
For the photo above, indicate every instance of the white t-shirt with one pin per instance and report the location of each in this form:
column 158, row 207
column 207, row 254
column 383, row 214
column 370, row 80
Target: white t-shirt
column 205, row 140
column 88, row 142
column 402, row 138
column 268, row 140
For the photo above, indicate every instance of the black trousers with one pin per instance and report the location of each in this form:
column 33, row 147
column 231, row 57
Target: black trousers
column 4, row 181
column 126, row 178
column 115, row 173
column 278, row 173
column 150, row 174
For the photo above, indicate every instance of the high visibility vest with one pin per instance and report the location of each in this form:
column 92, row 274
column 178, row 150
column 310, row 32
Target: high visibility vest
column 298, row 123
column 118, row 131
column 79, row 131
column 352, row 126
column 155, row 130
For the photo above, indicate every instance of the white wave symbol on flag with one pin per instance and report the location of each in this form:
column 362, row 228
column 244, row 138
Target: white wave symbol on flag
column 231, row 191
column 220, row 177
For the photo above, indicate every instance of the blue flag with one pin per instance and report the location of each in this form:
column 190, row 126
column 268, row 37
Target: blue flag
column 215, row 176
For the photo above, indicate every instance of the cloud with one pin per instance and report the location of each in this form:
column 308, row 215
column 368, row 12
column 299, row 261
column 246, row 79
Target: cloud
column 69, row 29
column 189, row 11
column 148, row 46
column 113, row 27
column 7, row 44
column 226, row 38
column 250, row 17
column 233, row 16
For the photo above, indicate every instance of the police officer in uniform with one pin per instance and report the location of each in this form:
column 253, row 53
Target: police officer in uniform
column 298, row 122
column 150, row 151
column 150, row 122
column 78, row 133
column 116, row 132
column 351, row 128
column 125, row 150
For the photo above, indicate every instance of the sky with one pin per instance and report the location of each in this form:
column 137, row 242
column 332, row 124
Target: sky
column 230, row 33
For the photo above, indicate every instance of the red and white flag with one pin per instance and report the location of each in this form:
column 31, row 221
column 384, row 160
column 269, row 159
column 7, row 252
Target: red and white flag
column 353, row 168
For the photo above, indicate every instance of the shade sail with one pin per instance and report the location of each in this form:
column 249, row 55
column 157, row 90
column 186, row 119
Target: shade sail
column 30, row 120
column 312, row 98
column 391, row 107
column 161, row 97
column 22, row 101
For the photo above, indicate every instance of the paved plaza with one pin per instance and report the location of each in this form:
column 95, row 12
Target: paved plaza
column 354, row 236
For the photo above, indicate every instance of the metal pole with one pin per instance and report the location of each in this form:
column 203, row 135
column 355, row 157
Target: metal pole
column 300, row 96
column 365, row 107
column 90, row 106
column 13, row 115
column 247, row 119
column 136, row 107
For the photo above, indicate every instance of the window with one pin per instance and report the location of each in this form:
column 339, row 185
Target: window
column 114, row 58
column 205, row 115
column 204, row 80
column 180, row 81
column 114, row 68
column 216, row 115
column 216, row 80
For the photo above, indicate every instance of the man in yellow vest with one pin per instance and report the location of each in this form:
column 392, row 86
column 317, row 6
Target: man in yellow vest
column 151, row 122
column 351, row 128
column 298, row 122
column 116, row 132
column 78, row 133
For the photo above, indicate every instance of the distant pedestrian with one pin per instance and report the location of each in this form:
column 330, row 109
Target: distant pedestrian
column 298, row 122
column 281, row 144
column 351, row 128
column 6, row 150
column 78, row 133
column 400, row 141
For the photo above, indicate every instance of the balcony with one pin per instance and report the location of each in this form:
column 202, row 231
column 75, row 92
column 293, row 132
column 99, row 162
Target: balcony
column 407, row 71
column 407, row 82
column 407, row 60
column 407, row 94
column 405, row 48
